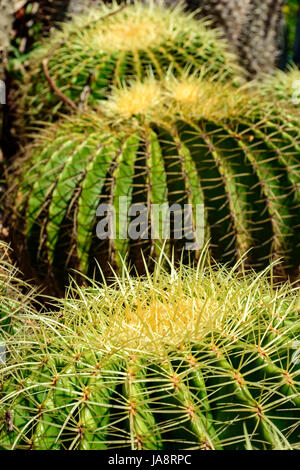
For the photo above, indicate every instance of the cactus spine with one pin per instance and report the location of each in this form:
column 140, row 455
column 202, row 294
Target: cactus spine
column 183, row 141
column 195, row 359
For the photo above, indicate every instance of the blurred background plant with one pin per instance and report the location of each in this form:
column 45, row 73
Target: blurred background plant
column 291, row 11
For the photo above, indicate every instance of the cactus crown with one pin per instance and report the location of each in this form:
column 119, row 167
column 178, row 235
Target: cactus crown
column 189, row 95
column 134, row 26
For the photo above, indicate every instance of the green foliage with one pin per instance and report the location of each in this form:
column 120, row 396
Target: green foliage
column 186, row 141
column 111, row 45
column 185, row 359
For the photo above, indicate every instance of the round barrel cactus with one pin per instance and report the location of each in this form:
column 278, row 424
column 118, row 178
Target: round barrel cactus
column 78, row 65
column 230, row 166
column 195, row 359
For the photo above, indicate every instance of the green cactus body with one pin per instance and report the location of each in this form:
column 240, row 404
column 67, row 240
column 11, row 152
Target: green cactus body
column 109, row 47
column 239, row 160
column 192, row 359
